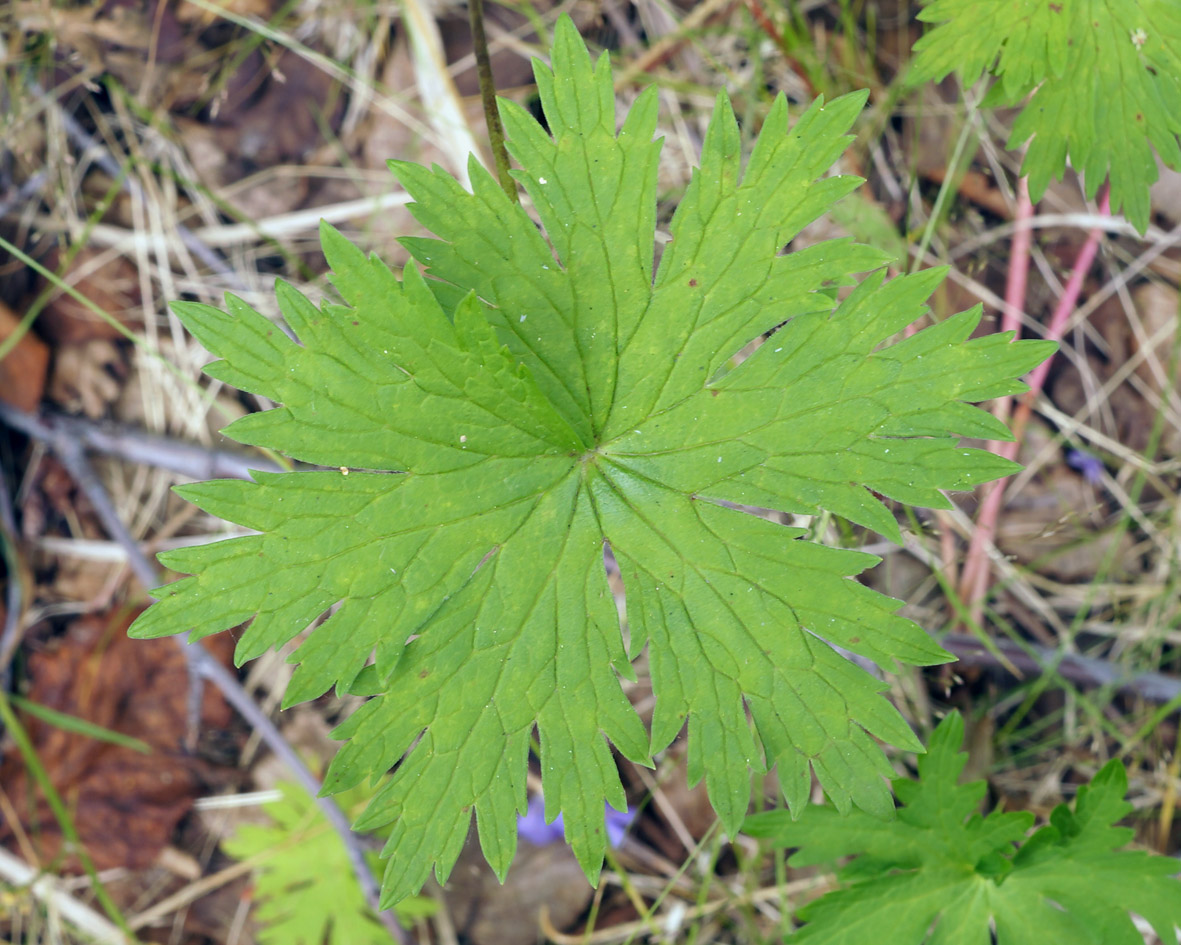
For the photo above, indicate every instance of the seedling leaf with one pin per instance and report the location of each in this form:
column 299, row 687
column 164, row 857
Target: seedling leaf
column 940, row 872
column 304, row 882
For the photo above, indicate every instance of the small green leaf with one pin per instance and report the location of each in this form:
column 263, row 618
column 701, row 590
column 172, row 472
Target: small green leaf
column 941, row 873
column 309, row 894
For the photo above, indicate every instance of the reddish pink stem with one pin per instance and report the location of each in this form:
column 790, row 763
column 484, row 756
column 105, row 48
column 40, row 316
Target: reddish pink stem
column 976, row 561
column 1070, row 294
column 1018, row 265
column 974, row 581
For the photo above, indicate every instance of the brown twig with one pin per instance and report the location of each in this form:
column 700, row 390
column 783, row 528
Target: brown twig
column 1032, row 659
column 975, row 187
column 135, row 446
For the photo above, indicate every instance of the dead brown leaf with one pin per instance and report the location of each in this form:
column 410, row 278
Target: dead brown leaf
column 1128, row 415
column 285, row 123
column 22, row 372
column 113, row 287
column 87, row 377
column 52, row 504
column 1166, row 194
column 125, row 804
column 1158, row 308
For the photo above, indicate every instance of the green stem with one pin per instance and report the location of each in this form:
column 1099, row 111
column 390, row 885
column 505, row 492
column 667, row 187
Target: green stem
column 954, row 170
column 475, row 10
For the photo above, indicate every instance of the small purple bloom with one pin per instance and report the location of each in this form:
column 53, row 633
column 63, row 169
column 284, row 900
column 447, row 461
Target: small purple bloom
column 617, row 823
column 1090, row 466
column 532, row 826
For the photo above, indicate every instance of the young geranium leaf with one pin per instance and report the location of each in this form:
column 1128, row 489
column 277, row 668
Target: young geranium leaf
column 544, row 395
column 1105, row 78
column 940, row 873
column 305, row 886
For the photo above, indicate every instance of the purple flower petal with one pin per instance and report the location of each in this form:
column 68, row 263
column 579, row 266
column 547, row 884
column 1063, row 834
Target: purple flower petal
column 1090, row 466
column 617, row 823
column 531, row 826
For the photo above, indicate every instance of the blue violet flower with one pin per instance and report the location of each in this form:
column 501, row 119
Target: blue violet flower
column 1091, row 467
column 532, row 826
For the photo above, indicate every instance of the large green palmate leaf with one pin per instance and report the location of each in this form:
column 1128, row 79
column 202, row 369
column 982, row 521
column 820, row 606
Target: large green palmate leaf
column 539, row 396
column 941, row 874
column 1105, row 77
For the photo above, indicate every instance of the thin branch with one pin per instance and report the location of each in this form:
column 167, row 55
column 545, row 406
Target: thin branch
column 135, row 446
column 1031, row 659
column 974, row 577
